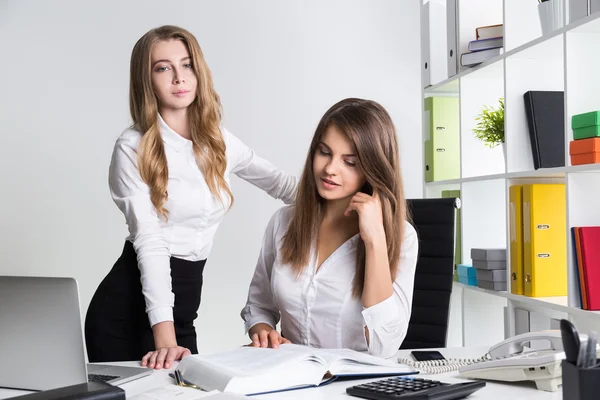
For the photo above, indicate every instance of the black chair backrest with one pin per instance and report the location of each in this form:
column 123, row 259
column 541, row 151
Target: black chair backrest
column 434, row 221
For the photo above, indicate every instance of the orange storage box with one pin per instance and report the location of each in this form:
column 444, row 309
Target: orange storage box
column 585, row 151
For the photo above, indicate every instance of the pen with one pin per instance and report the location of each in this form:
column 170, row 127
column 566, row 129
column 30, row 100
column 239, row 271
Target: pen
column 591, row 349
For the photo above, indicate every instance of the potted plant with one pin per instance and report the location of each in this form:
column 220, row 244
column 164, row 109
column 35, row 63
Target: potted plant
column 490, row 126
column 551, row 14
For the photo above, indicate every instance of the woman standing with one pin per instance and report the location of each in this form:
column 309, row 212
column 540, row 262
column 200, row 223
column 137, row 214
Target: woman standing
column 169, row 175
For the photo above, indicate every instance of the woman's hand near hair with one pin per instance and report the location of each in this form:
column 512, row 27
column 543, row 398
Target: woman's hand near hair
column 166, row 347
column 263, row 335
column 370, row 217
column 378, row 279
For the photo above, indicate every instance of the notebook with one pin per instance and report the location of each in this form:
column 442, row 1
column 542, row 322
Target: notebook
column 546, row 124
column 477, row 57
column 489, row 31
column 251, row 371
column 485, row 44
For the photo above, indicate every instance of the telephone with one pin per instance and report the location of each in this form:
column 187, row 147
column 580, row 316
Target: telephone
column 510, row 361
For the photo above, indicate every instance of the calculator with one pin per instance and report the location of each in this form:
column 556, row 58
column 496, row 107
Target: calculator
column 410, row 388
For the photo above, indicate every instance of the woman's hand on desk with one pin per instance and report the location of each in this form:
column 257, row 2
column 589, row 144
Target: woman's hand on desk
column 166, row 347
column 164, row 357
column 263, row 335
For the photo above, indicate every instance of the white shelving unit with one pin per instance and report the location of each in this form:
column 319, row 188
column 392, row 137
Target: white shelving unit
column 565, row 60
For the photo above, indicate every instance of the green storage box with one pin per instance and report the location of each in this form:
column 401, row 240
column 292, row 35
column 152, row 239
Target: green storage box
column 586, row 125
column 586, row 132
column 442, row 133
column 585, row 119
column 458, row 234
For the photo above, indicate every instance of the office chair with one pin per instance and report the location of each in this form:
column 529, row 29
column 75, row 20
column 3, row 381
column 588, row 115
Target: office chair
column 434, row 220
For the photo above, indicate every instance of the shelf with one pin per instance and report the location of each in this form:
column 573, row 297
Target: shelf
column 563, row 60
column 589, row 24
column 539, row 67
column 480, row 89
column 559, row 304
column 582, row 80
column 558, row 172
column 469, row 179
column 582, row 168
column 481, row 227
column 449, row 86
column 519, row 23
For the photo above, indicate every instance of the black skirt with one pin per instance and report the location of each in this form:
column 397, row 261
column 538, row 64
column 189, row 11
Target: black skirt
column 116, row 324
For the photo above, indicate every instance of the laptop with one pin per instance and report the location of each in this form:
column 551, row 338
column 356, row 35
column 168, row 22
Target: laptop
column 41, row 338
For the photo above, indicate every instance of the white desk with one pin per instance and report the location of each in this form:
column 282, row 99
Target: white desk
column 492, row 391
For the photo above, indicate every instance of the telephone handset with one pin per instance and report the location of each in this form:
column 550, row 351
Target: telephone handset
column 515, row 344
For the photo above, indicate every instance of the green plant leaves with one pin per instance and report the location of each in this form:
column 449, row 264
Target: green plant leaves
column 490, row 125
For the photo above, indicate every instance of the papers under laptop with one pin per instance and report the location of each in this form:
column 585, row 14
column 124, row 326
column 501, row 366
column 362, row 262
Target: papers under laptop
column 42, row 341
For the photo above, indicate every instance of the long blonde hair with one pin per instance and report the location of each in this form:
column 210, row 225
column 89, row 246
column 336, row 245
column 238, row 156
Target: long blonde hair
column 204, row 114
column 370, row 128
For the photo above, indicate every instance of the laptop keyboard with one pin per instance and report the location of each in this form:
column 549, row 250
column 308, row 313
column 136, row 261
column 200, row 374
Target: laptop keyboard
column 101, row 378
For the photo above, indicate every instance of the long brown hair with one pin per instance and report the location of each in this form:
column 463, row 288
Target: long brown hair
column 204, row 114
column 370, row 128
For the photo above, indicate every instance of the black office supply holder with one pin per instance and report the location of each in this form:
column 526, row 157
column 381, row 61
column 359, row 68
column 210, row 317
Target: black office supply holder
column 580, row 383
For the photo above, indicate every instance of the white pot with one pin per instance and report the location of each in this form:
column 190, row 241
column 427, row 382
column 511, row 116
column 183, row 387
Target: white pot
column 552, row 15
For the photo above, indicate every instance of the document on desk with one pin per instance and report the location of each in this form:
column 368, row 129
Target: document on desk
column 174, row 392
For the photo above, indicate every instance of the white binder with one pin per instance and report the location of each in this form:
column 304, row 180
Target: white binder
column 434, row 63
column 452, row 40
column 438, row 42
column 425, row 64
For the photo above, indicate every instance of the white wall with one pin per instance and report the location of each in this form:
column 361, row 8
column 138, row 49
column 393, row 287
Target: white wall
column 277, row 65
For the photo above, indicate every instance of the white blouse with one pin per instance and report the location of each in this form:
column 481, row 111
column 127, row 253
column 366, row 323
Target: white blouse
column 318, row 309
column 194, row 213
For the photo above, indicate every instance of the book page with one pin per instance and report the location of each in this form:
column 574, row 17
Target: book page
column 248, row 361
column 351, row 362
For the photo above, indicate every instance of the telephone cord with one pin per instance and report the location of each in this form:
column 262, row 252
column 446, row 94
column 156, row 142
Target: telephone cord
column 441, row 366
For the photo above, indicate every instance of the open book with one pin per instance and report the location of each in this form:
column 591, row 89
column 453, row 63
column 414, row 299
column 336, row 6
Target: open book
column 250, row 370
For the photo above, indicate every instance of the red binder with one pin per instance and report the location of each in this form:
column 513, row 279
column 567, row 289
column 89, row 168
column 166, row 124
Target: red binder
column 582, row 288
column 590, row 255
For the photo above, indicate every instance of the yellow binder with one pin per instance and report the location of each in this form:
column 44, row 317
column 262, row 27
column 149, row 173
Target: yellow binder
column 544, row 239
column 516, row 238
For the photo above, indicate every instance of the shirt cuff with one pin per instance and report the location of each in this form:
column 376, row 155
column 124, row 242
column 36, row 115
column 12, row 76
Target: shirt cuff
column 160, row 314
column 258, row 320
column 381, row 313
